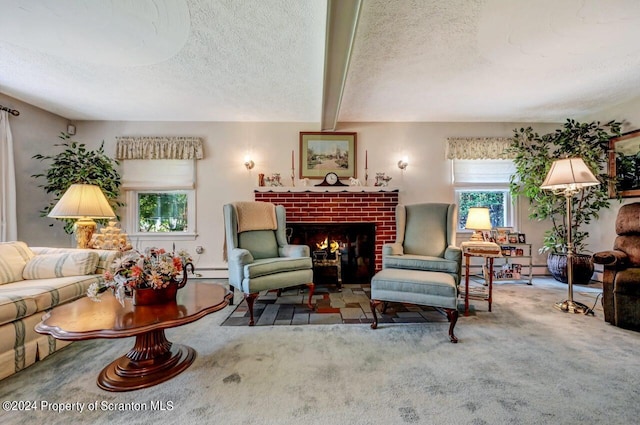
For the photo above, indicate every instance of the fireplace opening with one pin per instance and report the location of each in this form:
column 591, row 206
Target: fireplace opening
column 342, row 252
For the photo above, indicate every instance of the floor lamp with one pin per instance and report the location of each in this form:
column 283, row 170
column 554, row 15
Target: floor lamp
column 567, row 177
column 83, row 202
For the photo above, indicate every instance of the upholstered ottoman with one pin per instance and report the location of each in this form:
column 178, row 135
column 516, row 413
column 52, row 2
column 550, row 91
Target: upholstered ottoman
column 433, row 289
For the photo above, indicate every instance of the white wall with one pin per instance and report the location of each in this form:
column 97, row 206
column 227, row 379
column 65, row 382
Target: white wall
column 34, row 131
column 602, row 234
column 223, row 178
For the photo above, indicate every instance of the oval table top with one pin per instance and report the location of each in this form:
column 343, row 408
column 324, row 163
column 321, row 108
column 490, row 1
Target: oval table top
column 86, row 319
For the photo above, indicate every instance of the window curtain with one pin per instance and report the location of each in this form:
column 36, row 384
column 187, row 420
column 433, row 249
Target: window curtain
column 480, row 160
column 159, row 148
column 8, row 215
column 478, row 148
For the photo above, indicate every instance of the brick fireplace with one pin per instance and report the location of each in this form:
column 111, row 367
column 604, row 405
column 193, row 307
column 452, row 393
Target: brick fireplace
column 344, row 205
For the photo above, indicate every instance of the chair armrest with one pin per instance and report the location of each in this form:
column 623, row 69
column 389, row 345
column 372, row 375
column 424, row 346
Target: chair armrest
column 611, row 259
column 239, row 256
column 294, row 251
column 453, row 253
column 392, row 249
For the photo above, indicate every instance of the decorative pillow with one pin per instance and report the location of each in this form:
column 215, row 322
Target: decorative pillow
column 46, row 266
column 13, row 257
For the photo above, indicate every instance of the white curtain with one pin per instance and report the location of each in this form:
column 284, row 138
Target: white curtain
column 8, row 216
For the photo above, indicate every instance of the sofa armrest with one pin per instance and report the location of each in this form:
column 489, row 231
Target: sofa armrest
column 392, row 249
column 611, row 259
column 294, row 251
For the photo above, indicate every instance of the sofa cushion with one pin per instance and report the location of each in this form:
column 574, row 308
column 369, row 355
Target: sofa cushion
column 46, row 266
column 13, row 257
column 26, row 297
column 105, row 256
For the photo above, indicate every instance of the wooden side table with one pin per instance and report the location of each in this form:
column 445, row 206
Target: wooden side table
column 487, row 250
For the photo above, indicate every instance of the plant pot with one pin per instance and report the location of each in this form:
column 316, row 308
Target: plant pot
column 582, row 268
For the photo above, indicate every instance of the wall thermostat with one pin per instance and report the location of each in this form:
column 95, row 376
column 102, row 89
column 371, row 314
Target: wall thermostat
column 71, row 129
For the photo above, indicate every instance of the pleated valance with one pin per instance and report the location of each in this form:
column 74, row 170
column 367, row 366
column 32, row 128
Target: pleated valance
column 159, row 148
column 478, row 148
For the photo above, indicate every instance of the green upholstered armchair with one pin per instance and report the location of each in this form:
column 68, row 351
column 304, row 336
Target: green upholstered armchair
column 425, row 240
column 258, row 254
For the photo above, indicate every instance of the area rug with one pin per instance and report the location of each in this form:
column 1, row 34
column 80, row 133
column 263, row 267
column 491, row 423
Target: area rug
column 523, row 363
column 332, row 305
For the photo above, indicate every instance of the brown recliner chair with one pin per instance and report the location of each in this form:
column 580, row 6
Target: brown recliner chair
column 621, row 279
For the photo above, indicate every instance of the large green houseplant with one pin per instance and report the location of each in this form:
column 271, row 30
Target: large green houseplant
column 534, row 154
column 77, row 164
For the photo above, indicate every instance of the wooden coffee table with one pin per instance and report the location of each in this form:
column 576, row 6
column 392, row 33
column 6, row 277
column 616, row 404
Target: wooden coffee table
column 153, row 359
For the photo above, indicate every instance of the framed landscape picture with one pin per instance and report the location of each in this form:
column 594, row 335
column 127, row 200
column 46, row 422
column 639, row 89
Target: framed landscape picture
column 624, row 165
column 325, row 152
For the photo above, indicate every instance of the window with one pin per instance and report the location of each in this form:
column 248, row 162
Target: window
column 162, row 212
column 161, row 200
column 484, row 183
column 497, row 200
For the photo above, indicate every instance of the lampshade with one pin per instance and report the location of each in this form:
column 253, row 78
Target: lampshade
column 478, row 219
column 82, row 200
column 570, row 173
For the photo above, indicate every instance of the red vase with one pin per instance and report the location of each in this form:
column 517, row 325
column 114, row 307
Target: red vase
column 150, row 296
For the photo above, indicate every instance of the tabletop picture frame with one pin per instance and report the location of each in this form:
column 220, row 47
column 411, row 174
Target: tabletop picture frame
column 325, row 152
column 624, row 165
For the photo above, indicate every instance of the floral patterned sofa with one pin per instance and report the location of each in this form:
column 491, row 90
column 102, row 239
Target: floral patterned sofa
column 33, row 281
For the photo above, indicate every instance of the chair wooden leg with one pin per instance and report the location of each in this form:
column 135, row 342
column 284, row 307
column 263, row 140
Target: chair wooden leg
column 312, row 288
column 452, row 315
column 385, row 305
column 374, row 304
column 250, row 298
column 233, row 293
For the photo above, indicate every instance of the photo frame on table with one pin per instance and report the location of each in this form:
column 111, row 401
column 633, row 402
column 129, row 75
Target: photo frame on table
column 624, row 165
column 327, row 152
column 522, row 238
column 502, row 234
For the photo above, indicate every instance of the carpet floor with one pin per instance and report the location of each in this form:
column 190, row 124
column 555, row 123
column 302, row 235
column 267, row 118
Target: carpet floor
column 523, row 363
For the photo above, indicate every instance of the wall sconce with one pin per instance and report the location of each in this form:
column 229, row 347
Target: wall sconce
column 402, row 164
column 248, row 162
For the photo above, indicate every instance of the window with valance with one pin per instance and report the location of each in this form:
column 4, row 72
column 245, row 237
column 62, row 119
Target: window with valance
column 159, row 177
column 480, row 170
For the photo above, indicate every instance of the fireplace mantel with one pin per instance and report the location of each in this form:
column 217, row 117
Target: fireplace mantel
column 326, row 189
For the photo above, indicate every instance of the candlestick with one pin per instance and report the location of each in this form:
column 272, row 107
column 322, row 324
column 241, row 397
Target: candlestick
column 366, row 167
column 293, row 183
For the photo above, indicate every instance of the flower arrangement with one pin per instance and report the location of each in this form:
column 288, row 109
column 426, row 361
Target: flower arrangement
column 153, row 269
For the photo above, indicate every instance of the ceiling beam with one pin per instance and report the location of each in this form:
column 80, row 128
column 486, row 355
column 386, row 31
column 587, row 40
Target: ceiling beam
column 342, row 21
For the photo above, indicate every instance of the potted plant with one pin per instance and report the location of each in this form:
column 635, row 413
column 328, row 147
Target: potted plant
column 534, row 155
column 77, row 164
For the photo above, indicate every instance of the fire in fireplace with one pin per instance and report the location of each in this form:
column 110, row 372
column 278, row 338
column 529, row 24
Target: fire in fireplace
column 352, row 243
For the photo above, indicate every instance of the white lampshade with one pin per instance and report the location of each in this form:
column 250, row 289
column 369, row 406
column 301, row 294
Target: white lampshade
column 82, row 200
column 570, row 173
column 478, row 219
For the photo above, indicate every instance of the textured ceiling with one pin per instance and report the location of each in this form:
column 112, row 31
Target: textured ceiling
column 263, row 60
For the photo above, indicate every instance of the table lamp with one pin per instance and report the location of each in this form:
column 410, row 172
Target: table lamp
column 478, row 220
column 83, row 202
column 567, row 177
